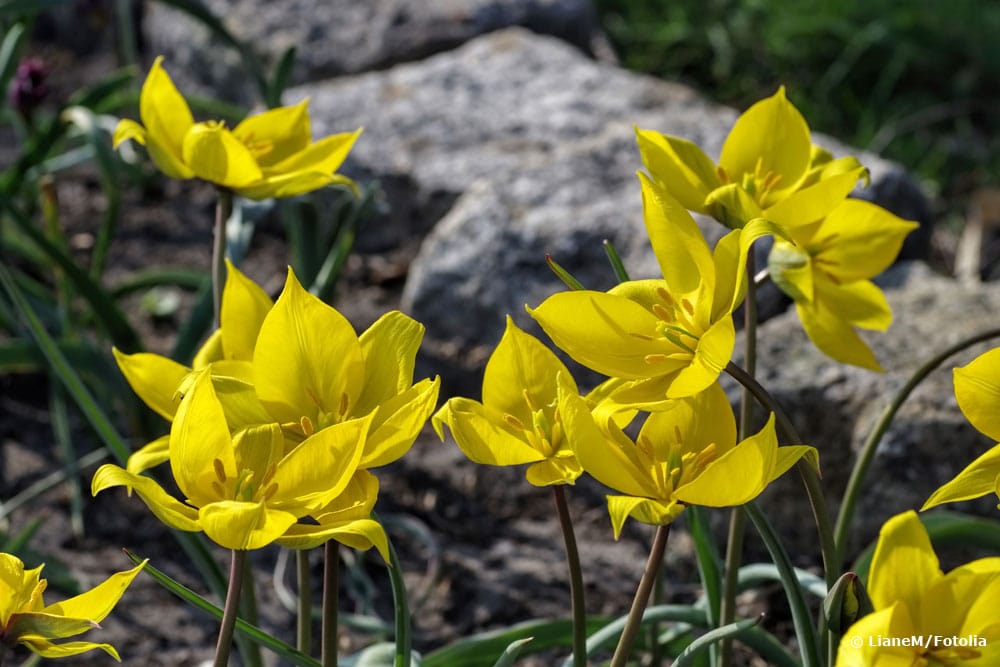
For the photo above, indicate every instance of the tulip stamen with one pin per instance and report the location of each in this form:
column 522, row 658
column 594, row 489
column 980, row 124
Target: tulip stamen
column 220, row 470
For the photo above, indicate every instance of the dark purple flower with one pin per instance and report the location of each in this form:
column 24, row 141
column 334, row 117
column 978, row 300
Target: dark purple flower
column 27, row 88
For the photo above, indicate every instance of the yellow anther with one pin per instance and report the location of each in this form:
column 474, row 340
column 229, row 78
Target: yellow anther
column 723, row 175
column 514, row 422
column 345, row 402
column 271, row 490
column 655, row 358
column 663, row 313
column 688, row 306
column 306, row 425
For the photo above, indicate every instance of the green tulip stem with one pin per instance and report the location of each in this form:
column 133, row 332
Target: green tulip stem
column 331, row 567
column 231, row 610
column 737, row 518
column 303, row 634
column 634, row 620
column 575, row 579
column 867, row 452
column 223, row 209
column 810, row 477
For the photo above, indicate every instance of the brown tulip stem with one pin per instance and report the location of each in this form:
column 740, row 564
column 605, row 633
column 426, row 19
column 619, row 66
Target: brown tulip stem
column 331, row 567
column 303, row 636
column 641, row 599
column 575, row 579
column 229, row 614
column 223, row 209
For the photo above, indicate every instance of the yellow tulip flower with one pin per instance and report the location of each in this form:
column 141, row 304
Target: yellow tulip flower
column 767, row 160
column 244, row 491
column 977, row 388
column 25, row 618
column 923, row 616
column 519, row 419
column 825, row 268
column 664, row 338
column 267, row 155
column 684, row 455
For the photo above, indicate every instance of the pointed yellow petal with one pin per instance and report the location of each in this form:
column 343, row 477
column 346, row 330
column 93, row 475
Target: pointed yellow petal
column 295, row 183
column 977, row 388
column 835, row 337
column 46, row 625
column 361, row 534
column 859, row 240
column 398, row 422
column 483, row 435
column 730, row 259
column 731, row 205
column 319, row 468
column 154, row 378
column 648, row 511
column 276, row 134
column 308, row 359
column 243, row 525
column 773, row 134
column 703, row 419
column 867, row 652
column 680, row 248
column 200, row 446
column 164, row 112
column 210, row 350
column 606, row 332
column 521, row 365
column 553, row 471
column 149, row 455
column 620, row 508
column 390, row 349
column 167, row 509
column 814, row 202
column 713, row 354
column 323, row 157
column 244, row 306
column 792, row 271
column 610, row 458
column 861, row 303
column 214, row 154
column 736, row 477
column 47, row 649
column 127, row 129
column 679, row 166
column 979, row 478
column 98, row 602
column 904, row 565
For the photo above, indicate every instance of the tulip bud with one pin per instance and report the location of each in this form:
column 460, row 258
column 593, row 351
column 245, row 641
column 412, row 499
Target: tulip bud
column 28, row 89
column 846, row 602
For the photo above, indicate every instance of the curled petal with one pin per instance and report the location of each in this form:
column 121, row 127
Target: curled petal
column 243, row 525
column 167, row 509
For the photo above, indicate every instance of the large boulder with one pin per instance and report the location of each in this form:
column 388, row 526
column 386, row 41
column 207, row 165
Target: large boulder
column 530, row 147
column 337, row 37
column 834, row 407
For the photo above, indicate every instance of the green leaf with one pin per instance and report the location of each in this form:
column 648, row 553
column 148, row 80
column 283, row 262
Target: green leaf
column 475, row 651
column 563, row 275
column 282, row 77
column 511, row 652
column 10, row 48
column 733, row 630
column 15, row 7
column 253, row 633
column 616, row 262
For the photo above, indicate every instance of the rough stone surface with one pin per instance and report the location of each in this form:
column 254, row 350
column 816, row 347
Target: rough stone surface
column 336, row 37
column 534, row 144
column 834, row 406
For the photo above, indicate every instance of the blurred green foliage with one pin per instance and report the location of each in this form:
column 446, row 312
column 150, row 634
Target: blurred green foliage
column 916, row 81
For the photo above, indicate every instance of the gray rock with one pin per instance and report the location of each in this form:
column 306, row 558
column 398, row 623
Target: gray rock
column 834, row 406
column 534, row 143
column 336, row 37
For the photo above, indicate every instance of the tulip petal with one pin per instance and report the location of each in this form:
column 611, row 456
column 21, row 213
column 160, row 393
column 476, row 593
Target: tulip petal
column 323, row 157
column 521, row 373
column 98, row 602
column 163, row 111
column 869, row 653
column 214, row 154
column 647, row 511
column 904, row 565
column 47, row 649
column 126, row 130
column 389, row 347
column 979, row 478
column 276, row 134
column 210, row 350
column 771, row 137
column 47, row 625
column 200, row 445
column 679, row 246
column 553, row 470
column 362, row 534
column 834, row 336
column 398, row 422
column 813, row 203
column 977, row 388
column 240, row 525
column 319, row 468
column 860, row 303
column 483, row 435
column 680, row 166
column 150, row 455
column 308, row 359
column 703, row 419
column 167, row 509
column 154, row 378
column 732, row 205
column 713, row 354
column 606, row 332
column 244, row 307
column 858, row 240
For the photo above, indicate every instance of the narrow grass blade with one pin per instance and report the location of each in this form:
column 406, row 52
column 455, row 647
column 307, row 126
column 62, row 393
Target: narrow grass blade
column 282, row 77
column 511, row 652
column 616, row 262
column 563, row 275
